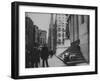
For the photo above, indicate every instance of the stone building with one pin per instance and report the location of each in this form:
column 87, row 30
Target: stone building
column 36, row 29
column 63, row 41
column 42, row 37
column 61, row 30
column 79, row 30
column 29, row 40
column 52, row 37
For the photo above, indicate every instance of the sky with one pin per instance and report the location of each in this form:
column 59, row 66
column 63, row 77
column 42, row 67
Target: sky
column 42, row 20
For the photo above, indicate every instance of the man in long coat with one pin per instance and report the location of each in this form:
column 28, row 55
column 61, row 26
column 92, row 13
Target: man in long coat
column 44, row 56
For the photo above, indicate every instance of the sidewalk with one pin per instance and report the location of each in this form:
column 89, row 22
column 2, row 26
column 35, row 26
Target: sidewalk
column 54, row 62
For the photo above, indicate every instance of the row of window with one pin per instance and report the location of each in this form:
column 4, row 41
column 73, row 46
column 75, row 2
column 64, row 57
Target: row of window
column 60, row 17
column 62, row 20
column 63, row 35
column 42, row 41
column 61, row 25
column 61, row 29
column 60, row 42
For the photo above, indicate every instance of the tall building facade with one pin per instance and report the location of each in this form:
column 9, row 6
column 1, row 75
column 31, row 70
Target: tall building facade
column 36, row 33
column 61, row 30
column 58, row 39
column 52, row 37
column 29, row 40
column 42, row 37
column 79, row 30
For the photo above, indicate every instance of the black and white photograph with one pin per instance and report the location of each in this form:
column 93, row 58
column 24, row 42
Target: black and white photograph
column 56, row 40
column 50, row 40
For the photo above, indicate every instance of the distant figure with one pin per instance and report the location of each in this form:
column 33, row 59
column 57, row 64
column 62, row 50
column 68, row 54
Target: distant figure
column 44, row 56
column 51, row 53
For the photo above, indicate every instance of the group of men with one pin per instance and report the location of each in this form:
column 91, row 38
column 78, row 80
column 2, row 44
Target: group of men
column 40, row 53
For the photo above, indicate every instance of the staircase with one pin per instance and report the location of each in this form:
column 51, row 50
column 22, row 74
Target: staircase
column 75, row 56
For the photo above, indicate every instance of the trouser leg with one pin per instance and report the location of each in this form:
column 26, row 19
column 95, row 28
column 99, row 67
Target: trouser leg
column 47, row 62
column 43, row 62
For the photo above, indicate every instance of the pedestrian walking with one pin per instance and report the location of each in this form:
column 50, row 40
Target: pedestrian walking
column 51, row 53
column 44, row 56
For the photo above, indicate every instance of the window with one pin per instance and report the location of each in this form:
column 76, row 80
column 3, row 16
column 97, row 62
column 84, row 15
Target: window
column 59, row 41
column 63, row 41
column 59, row 20
column 63, row 25
column 63, row 35
column 59, row 35
column 59, row 29
column 63, row 29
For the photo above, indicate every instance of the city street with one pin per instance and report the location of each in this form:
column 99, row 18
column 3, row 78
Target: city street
column 55, row 36
column 54, row 62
